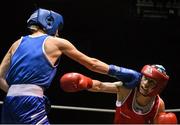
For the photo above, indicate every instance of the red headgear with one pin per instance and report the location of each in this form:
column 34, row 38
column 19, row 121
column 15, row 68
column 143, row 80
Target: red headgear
column 157, row 73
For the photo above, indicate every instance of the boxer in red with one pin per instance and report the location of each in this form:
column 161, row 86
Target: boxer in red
column 138, row 100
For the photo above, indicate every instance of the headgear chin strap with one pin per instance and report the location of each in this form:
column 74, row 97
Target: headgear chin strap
column 157, row 73
column 49, row 20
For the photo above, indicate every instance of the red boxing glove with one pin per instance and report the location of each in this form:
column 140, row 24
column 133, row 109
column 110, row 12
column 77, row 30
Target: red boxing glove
column 166, row 118
column 73, row 82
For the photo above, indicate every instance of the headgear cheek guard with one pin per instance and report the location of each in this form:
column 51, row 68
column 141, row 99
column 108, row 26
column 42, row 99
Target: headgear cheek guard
column 157, row 73
column 49, row 20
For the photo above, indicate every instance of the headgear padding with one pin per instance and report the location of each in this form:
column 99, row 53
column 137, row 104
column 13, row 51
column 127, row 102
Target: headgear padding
column 49, row 20
column 157, row 73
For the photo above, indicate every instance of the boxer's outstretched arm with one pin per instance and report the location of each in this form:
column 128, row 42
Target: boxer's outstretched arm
column 108, row 87
column 74, row 82
column 92, row 64
column 130, row 78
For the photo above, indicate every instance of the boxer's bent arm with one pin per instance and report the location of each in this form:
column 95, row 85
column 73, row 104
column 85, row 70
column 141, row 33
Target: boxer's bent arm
column 160, row 109
column 5, row 65
column 108, row 87
column 162, row 106
column 3, row 70
column 92, row 64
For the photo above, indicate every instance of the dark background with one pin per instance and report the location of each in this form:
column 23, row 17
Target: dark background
column 109, row 30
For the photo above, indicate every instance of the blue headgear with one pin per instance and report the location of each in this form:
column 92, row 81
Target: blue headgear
column 49, row 20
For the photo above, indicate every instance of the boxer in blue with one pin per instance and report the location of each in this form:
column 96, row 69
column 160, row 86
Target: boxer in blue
column 30, row 65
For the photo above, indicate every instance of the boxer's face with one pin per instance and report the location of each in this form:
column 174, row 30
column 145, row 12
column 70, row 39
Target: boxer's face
column 146, row 85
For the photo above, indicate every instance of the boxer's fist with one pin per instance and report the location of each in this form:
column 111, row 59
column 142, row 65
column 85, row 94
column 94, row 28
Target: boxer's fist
column 129, row 77
column 73, row 82
column 166, row 118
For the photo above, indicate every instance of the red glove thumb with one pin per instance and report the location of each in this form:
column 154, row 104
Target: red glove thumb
column 85, row 82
